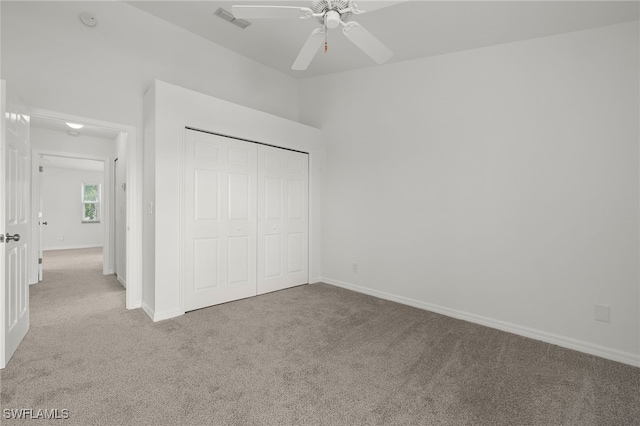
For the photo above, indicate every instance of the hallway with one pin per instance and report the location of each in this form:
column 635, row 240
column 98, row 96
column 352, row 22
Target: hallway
column 73, row 287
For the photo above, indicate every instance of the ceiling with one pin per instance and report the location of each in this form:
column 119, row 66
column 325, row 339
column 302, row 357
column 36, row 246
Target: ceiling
column 411, row 29
column 51, row 161
column 60, row 126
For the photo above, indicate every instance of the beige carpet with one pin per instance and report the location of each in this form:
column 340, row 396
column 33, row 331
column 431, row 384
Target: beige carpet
column 313, row 354
column 73, row 287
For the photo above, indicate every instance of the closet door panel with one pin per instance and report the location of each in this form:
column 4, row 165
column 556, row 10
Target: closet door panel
column 220, row 222
column 295, row 253
column 238, row 260
column 206, row 195
column 205, row 265
column 272, row 256
column 296, row 199
column 273, row 199
column 283, row 224
column 239, row 196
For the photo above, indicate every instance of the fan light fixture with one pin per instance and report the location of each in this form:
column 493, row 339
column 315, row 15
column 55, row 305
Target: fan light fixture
column 330, row 14
column 75, row 126
column 332, row 19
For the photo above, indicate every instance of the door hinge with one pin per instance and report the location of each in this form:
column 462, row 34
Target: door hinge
column 40, row 261
column 41, row 169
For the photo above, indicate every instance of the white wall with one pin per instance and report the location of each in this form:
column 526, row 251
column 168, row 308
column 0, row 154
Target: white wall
column 56, row 63
column 62, row 210
column 498, row 185
column 168, row 109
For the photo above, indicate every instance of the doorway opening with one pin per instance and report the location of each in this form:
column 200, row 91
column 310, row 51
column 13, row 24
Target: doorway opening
column 80, row 205
column 21, row 185
column 72, row 206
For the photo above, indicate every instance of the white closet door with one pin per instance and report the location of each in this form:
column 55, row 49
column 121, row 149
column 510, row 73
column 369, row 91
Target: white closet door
column 283, row 219
column 220, row 220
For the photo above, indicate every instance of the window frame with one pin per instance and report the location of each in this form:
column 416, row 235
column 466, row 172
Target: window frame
column 85, row 202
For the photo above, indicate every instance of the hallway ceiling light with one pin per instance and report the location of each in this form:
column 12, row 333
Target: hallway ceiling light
column 75, row 126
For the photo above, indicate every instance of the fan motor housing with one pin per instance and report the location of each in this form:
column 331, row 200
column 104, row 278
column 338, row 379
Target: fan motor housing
column 322, row 6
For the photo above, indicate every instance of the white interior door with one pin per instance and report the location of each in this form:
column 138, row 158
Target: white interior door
column 219, row 220
column 117, row 221
column 40, row 254
column 283, row 219
column 41, row 222
column 15, row 191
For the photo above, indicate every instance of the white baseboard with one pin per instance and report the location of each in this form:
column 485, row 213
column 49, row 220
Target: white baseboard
column 315, row 280
column 137, row 305
column 565, row 342
column 69, row 247
column 160, row 316
column 121, row 281
column 147, row 309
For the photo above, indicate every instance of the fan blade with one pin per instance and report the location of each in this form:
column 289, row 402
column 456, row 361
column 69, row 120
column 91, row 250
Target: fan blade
column 367, row 42
column 257, row 12
column 309, row 50
column 371, row 5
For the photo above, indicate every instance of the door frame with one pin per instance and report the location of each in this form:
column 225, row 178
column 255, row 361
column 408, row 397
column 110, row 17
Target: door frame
column 115, row 220
column 133, row 266
column 107, row 205
column 3, row 144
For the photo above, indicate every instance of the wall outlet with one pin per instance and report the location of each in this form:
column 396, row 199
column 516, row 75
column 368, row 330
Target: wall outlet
column 354, row 267
column 602, row 313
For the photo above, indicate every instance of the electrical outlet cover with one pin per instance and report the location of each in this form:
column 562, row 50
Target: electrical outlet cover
column 602, row 313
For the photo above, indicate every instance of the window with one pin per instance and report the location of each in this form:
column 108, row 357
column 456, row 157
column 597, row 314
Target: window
column 90, row 202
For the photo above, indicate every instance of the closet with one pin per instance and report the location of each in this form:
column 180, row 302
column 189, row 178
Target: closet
column 245, row 219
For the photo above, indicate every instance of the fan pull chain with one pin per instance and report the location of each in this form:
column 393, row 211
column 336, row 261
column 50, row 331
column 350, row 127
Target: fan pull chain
column 326, row 34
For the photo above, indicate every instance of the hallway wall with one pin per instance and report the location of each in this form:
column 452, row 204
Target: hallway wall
column 62, row 210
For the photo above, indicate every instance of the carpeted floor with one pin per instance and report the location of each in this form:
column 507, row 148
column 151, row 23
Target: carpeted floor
column 73, row 287
column 314, row 354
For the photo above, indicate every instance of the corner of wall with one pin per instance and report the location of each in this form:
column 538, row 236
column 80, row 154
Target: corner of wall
column 148, row 310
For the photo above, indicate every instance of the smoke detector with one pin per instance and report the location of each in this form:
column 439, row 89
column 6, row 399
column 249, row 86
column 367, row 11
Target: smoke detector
column 88, row 19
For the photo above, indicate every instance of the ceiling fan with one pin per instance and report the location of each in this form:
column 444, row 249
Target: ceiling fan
column 330, row 14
